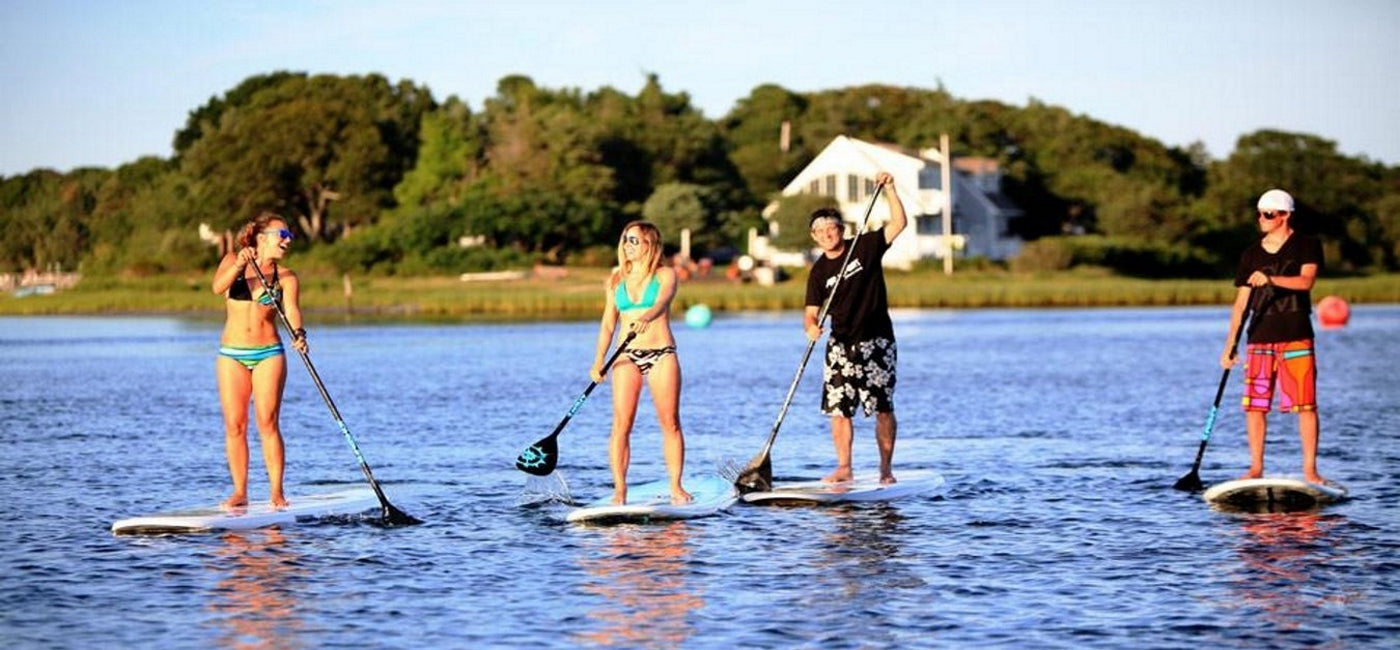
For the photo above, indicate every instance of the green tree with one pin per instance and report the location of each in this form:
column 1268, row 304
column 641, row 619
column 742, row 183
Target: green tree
column 791, row 221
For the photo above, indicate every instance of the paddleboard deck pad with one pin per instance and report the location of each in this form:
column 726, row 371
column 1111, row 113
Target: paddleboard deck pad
column 864, row 487
column 649, row 502
column 1272, row 494
column 257, row 514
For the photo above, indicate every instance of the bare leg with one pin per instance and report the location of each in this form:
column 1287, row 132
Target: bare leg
column 627, row 387
column 235, row 387
column 665, row 383
column 886, row 428
column 269, row 379
column 1308, row 434
column 1256, row 427
column 841, row 436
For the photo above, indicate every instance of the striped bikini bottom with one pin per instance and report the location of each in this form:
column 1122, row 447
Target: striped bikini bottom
column 644, row 359
column 250, row 357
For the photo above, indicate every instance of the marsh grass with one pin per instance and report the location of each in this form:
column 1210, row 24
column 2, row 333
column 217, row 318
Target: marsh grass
column 579, row 295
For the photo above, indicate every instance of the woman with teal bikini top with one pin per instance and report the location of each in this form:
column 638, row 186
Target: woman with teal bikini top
column 650, row 357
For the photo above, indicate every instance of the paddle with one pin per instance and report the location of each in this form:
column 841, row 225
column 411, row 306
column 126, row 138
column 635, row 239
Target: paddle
column 540, row 458
column 758, row 475
column 1191, row 482
column 391, row 516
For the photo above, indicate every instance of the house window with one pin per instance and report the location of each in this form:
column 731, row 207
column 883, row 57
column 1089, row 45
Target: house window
column 852, row 188
column 869, row 186
column 814, row 187
column 831, row 185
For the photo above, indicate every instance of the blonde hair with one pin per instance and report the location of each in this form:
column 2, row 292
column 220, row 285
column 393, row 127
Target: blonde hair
column 248, row 234
column 647, row 232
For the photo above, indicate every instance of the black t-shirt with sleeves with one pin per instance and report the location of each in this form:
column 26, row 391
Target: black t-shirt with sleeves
column 1280, row 314
column 860, row 311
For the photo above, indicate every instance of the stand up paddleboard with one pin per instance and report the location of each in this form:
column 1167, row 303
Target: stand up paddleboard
column 865, row 487
column 257, row 514
column 1272, row 494
column 652, row 502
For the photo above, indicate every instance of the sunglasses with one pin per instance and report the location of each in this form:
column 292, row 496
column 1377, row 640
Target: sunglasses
column 633, row 240
column 1270, row 216
column 280, row 232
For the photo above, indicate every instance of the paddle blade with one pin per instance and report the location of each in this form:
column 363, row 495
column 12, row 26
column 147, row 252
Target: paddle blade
column 540, row 458
column 394, row 517
column 757, row 477
column 1189, row 483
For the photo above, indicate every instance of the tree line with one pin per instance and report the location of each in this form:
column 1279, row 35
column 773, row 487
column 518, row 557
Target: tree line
column 381, row 177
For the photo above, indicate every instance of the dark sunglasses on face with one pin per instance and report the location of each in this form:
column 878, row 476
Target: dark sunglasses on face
column 633, row 240
column 1270, row 216
column 280, row 232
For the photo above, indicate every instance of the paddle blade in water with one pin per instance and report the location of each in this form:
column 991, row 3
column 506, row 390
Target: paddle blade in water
column 1189, row 483
column 394, row 517
column 758, row 477
column 539, row 459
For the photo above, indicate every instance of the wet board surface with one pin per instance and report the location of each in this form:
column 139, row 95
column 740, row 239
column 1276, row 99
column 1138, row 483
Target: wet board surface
column 257, row 514
column 1272, row 494
column 865, row 487
column 652, row 502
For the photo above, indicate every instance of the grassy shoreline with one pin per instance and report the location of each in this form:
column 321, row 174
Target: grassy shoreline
column 578, row 295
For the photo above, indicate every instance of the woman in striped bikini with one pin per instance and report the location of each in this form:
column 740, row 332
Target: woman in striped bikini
column 252, row 364
column 639, row 295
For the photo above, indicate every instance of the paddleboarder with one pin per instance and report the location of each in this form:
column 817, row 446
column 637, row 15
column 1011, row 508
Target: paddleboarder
column 1279, row 352
column 252, row 363
column 859, row 370
column 639, row 294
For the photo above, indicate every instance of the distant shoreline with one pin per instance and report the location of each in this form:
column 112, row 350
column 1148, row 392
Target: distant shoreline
column 577, row 295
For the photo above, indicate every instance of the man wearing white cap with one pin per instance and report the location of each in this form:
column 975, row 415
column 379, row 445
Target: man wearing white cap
column 1276, row 277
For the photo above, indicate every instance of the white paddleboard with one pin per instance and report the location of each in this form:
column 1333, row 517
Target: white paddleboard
column 257, row 514
column 1273, row 494
column 865, row 487
column 652, row 502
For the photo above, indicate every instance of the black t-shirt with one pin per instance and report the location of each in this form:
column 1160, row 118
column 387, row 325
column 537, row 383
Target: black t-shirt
column 1280, row 314
column 860, row 311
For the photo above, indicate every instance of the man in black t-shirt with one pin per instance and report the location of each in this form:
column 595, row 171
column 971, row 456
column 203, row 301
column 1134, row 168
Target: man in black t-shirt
column 1276, row 276
column 860, row 353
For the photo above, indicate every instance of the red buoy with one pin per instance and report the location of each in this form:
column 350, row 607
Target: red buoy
column 1333, row 311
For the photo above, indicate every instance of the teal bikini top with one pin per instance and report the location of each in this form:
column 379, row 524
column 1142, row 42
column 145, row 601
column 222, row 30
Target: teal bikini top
column 624, row 301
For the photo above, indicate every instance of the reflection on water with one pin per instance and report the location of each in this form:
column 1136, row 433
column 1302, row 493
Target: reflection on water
column 641, row 572
column 1283, row 569
column 863, row 550
column 254, row 601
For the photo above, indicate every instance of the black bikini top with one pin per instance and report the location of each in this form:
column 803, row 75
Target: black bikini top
column 240, row 290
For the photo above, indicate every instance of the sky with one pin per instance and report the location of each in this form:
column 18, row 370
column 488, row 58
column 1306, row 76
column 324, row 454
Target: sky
column 96, row 83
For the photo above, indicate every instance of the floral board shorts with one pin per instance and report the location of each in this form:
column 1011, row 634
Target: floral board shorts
column 859, row 374
column 1290, row 366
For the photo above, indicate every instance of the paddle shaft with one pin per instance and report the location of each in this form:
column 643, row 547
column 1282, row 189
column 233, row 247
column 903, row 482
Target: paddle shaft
column 762, row 457
column 578, row 403
column 1247, row 316
column 390, row 512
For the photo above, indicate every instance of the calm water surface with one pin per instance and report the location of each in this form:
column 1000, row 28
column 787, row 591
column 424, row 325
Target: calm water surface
column 1060, row 434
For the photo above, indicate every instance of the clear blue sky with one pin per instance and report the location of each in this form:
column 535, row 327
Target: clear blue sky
column 92, row 82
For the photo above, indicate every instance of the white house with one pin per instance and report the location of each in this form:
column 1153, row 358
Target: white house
column 846, row 170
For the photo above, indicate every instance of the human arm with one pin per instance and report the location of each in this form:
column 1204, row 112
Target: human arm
column 606, row 327
column 231, row 268
column 291, row 306
column 1307, row 276
column 666, row 292
column 898, row 218
column 810, row 324
column 1228, row 357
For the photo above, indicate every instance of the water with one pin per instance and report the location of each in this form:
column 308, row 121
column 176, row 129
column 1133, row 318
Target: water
column 1060, row 434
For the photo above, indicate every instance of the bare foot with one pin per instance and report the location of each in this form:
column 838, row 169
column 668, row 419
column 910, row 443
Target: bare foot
column 680, row 497
column 620, row 497
column 887, row 479
column 1253, row 473
column 841, row 475
column 234, row 501
column 279, row 501
column 1317, row 479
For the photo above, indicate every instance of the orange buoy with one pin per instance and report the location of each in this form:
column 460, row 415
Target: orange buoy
column 1333, row 311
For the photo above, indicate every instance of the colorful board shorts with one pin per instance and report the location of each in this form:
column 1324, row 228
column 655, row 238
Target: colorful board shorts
column 1291, row 366
column 859, row 374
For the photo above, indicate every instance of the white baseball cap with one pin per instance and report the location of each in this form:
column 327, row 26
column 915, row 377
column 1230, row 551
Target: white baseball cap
column 1276, row 200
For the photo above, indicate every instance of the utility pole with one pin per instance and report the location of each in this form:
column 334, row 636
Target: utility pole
column 947, row 180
